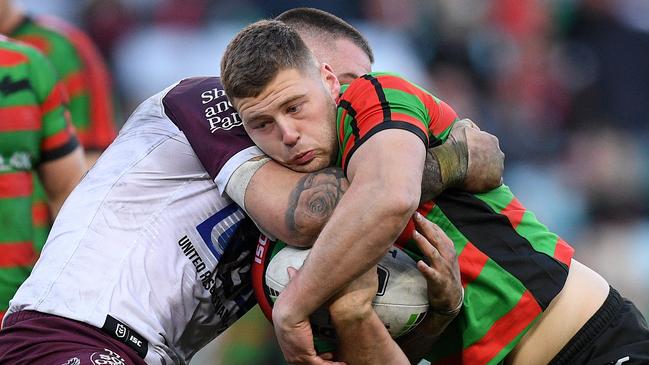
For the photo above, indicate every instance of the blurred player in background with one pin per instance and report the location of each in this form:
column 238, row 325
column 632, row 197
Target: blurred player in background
column 36, row 138
column 527, row 301
column 83, row 76
column 81, row 71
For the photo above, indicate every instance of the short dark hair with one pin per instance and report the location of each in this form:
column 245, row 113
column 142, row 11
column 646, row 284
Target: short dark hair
column 316, row 22
column 258, row 53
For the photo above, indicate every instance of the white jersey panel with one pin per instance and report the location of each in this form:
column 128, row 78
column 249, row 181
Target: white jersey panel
column 143, row 239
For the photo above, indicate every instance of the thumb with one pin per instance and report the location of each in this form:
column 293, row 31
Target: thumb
column 291, row 272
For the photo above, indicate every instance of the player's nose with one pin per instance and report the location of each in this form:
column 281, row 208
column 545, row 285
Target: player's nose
column 290, row 132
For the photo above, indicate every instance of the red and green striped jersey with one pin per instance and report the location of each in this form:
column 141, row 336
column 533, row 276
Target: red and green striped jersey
column 33, row 130
column 83, row 74
column 380, row 101
column 511, row 265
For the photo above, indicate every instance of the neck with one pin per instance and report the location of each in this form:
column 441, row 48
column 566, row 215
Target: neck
column 10, row 18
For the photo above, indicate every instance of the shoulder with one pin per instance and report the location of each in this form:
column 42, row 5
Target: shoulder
column 56, row 29
column 49, row 38
column 199, row 107
column 202, row 100
column 14, row 53
column 14, row 50
column 383, row 87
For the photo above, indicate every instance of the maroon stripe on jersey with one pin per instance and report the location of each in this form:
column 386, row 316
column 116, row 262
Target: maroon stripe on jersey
column 16, row 254
column 2, row 315
column 20, row 118
column 472, row 261
column 16, row 185
column 514, row 211
column 201, row 110
column 501, row 333
column 10, row 58
column 563, row 252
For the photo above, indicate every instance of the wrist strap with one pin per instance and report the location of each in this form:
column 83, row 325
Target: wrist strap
column 453, row 162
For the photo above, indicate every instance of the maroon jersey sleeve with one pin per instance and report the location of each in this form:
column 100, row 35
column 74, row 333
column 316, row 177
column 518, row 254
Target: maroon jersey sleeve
column 199, row 108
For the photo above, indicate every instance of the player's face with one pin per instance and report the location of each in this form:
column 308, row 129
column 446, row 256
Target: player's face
column 293, row 119
column 347, row 60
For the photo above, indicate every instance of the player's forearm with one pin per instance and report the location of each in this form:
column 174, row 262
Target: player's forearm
column 367, row 221
column 294, row 206
column 417, row 343
column 312, row 201
column 368, row 342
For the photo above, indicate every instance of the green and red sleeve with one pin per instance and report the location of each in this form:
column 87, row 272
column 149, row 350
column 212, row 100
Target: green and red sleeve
column 82, row 74
column 93, row 80
column 379, row 101
column 58, row 138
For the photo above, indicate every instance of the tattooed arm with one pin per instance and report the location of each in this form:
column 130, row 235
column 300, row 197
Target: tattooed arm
column 294, row 206
column 312, row 201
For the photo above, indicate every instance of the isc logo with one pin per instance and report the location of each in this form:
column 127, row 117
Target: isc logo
column 261, row 248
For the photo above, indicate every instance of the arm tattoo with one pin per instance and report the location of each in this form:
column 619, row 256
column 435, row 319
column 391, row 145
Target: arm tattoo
column 313, row 200
column 431, row 185
column 315, row 196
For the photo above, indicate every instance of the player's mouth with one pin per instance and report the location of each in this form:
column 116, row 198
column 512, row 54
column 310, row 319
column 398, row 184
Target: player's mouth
column 303, row 158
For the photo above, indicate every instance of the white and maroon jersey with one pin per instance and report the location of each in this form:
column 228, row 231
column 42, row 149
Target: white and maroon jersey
column 147, row 247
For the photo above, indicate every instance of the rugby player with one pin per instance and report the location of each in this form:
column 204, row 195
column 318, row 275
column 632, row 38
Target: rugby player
column 79, row 67
column 35, row 139
column 148, row 261
column 82, row 75
column 527, row 300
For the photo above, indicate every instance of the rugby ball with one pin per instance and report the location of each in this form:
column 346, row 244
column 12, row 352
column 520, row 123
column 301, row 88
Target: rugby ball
column 401, row 300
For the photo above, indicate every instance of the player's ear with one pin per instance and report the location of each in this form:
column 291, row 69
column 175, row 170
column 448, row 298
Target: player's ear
column 330, row 80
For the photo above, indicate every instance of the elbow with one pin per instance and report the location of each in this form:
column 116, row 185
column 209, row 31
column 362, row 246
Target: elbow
column 303, row 238
column 401, row 204
column 305, row 228
column 396, row 207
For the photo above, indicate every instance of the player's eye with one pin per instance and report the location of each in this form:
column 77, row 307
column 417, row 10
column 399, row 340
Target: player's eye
column 261, row 125
column 295, row 108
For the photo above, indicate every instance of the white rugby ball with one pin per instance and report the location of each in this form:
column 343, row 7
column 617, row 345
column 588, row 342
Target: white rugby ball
column 401, row 300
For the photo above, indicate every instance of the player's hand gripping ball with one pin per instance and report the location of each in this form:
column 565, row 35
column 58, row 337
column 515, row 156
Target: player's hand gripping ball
column 401, row 300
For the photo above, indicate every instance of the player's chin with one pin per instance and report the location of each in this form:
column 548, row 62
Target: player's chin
column 314, row 165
